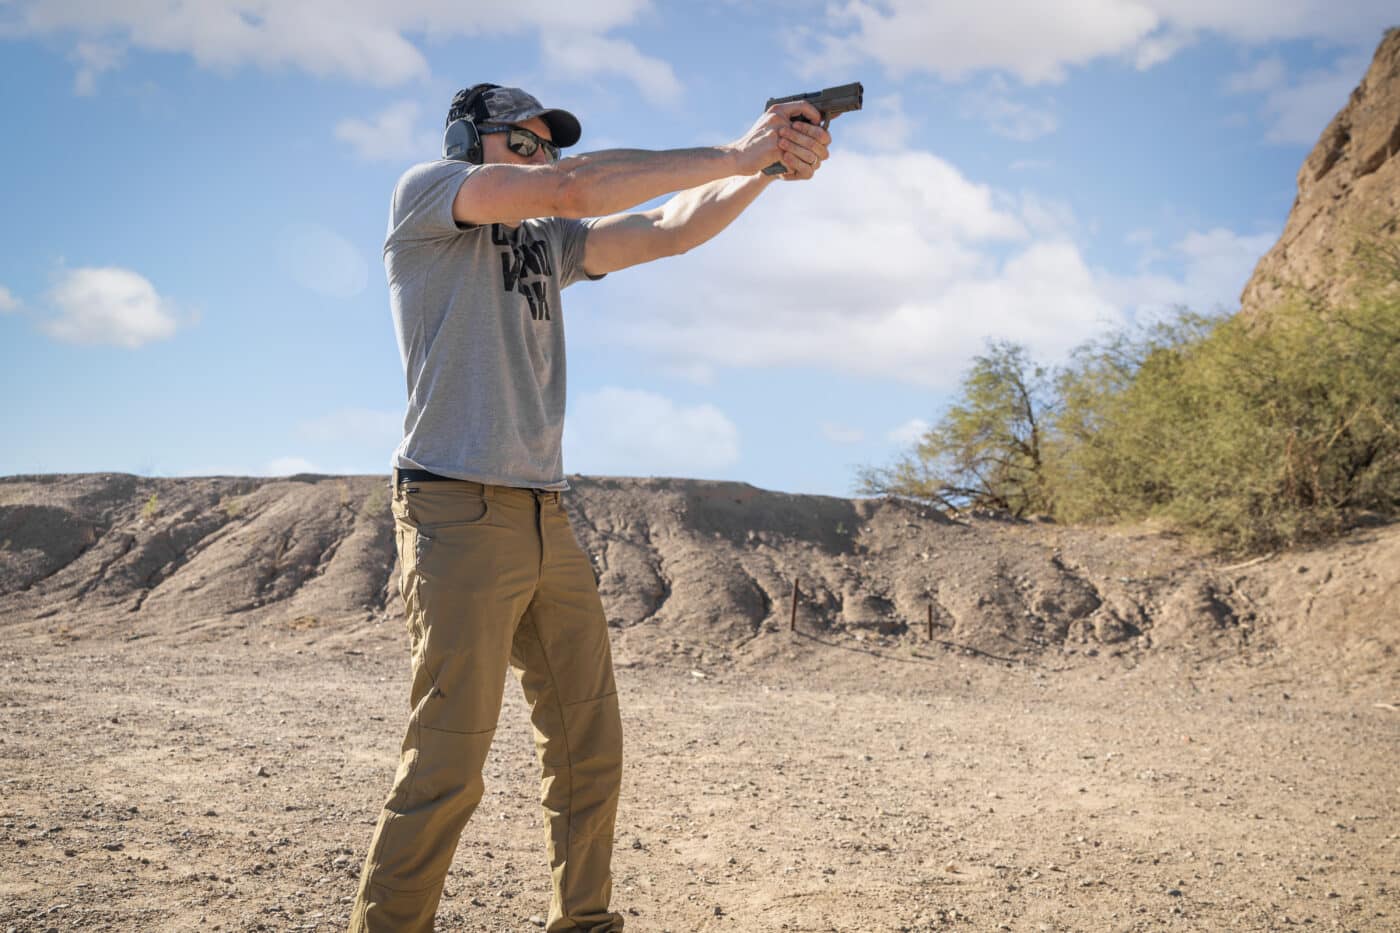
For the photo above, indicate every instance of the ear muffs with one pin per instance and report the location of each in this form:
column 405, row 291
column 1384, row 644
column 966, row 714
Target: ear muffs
column 462, row 143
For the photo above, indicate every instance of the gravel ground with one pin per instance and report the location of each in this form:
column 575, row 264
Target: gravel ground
column 229, row 779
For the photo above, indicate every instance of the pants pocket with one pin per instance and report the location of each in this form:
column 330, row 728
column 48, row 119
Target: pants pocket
column 445, row 504
column 437, row 510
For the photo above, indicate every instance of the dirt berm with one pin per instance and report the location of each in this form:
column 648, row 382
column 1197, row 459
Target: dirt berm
column 706, row 563
column 203, row 684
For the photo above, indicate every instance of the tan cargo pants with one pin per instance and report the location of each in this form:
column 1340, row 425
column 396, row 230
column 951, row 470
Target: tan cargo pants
column 491, row 577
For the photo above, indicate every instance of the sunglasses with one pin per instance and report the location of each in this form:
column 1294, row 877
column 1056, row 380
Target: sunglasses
column 523, row 142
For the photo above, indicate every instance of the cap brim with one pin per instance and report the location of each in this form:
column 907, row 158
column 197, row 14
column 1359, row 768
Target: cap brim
column 563, row 127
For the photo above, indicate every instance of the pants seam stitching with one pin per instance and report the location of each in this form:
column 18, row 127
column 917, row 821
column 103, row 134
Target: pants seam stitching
column 601, row 696
column 379, row 884
column 456, row 732
column 568, row 756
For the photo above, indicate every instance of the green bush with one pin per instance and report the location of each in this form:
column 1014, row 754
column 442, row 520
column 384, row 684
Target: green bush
column 1253, row 435
column 1250, row 433
column 986, row 451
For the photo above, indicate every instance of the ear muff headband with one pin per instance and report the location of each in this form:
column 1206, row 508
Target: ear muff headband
column 473, row 105
column 462, row 142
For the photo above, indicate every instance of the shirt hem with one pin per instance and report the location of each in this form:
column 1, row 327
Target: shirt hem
column 486, row 479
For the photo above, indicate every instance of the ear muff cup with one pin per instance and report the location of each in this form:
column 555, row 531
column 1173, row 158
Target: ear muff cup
column 462, row 143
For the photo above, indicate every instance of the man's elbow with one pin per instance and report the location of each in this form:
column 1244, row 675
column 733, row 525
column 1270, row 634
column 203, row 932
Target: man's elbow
column 572, row 199
column 668, row 240
column 679, row 244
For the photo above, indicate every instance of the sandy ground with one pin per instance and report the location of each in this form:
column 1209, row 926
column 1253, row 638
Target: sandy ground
column 229, row 779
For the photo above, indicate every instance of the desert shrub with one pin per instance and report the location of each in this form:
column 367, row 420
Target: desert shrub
column 1254, row 436
column 986, row 450
column 1250, row 433
column 376, row 500
column 1104, row 456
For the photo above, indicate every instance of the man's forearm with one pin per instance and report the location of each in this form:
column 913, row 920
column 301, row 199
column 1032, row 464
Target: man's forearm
column 696, row 215
column 612, row 180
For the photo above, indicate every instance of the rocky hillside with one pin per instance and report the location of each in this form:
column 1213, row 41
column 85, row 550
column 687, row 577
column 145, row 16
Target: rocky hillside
column 679, row 562
column 1349, row 186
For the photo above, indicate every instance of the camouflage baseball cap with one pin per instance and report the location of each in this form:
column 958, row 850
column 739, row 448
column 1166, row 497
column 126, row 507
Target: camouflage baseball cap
column 491, row 103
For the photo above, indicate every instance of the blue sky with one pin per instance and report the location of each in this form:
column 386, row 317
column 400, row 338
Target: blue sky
column 191, row 283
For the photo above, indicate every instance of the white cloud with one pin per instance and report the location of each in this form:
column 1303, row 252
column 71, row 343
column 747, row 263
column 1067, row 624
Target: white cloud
column 1017, row 121
column 1259, row 21
column 278, row 466
column 910, row 432
column 1047, row 216
column 323, row 261
column 372, row 41
column 1161, row 46
column 8, row 302
column 287, row 466
column 1299, row 110
column 109, row 306
column 841, row 433
column 1039, row 42
column 892, row 266
column 360, row 426
column 351, row 39
column 702, row 374
column 1002, row 114
column 576, row 55
column 884, row 126
column 1218, row 257
column 1266, row 75
column 1034, row 40
column 897, row 267
column 93, row 59
column 631, row 432
column 1215, row 266
column 392, row 135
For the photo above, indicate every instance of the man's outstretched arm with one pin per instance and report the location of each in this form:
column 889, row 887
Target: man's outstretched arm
column 695, row 215
column 598, row 183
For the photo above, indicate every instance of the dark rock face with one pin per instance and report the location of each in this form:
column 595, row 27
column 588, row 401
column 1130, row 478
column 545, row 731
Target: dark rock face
column 1348, row 187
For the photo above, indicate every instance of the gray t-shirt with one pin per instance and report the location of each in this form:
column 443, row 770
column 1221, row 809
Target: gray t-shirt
column 481, row 333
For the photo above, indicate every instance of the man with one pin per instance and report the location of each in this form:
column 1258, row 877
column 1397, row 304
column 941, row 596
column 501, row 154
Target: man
column 491, row 575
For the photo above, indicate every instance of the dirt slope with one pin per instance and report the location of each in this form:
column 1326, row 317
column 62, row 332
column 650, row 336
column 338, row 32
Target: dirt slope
column 682, row 561
column 203, row 684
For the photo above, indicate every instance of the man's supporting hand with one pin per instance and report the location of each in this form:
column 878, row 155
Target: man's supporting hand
column 803, row 147
column 778, row 137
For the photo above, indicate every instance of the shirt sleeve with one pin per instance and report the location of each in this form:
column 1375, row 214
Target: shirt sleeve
column 571, row 236
column 421, row 208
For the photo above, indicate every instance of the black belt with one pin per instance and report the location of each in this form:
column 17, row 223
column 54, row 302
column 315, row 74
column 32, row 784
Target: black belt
column 423, row 476
column 413, row 475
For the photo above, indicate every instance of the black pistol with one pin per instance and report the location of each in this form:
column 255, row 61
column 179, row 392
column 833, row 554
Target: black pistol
column 830, row 103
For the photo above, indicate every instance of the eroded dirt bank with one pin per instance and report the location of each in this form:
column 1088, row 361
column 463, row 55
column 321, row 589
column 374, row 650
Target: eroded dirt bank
column 699, row 563
column 202, row 685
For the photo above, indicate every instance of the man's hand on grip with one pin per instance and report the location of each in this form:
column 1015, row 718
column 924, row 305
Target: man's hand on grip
column 803, row 148
column 764, row 143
